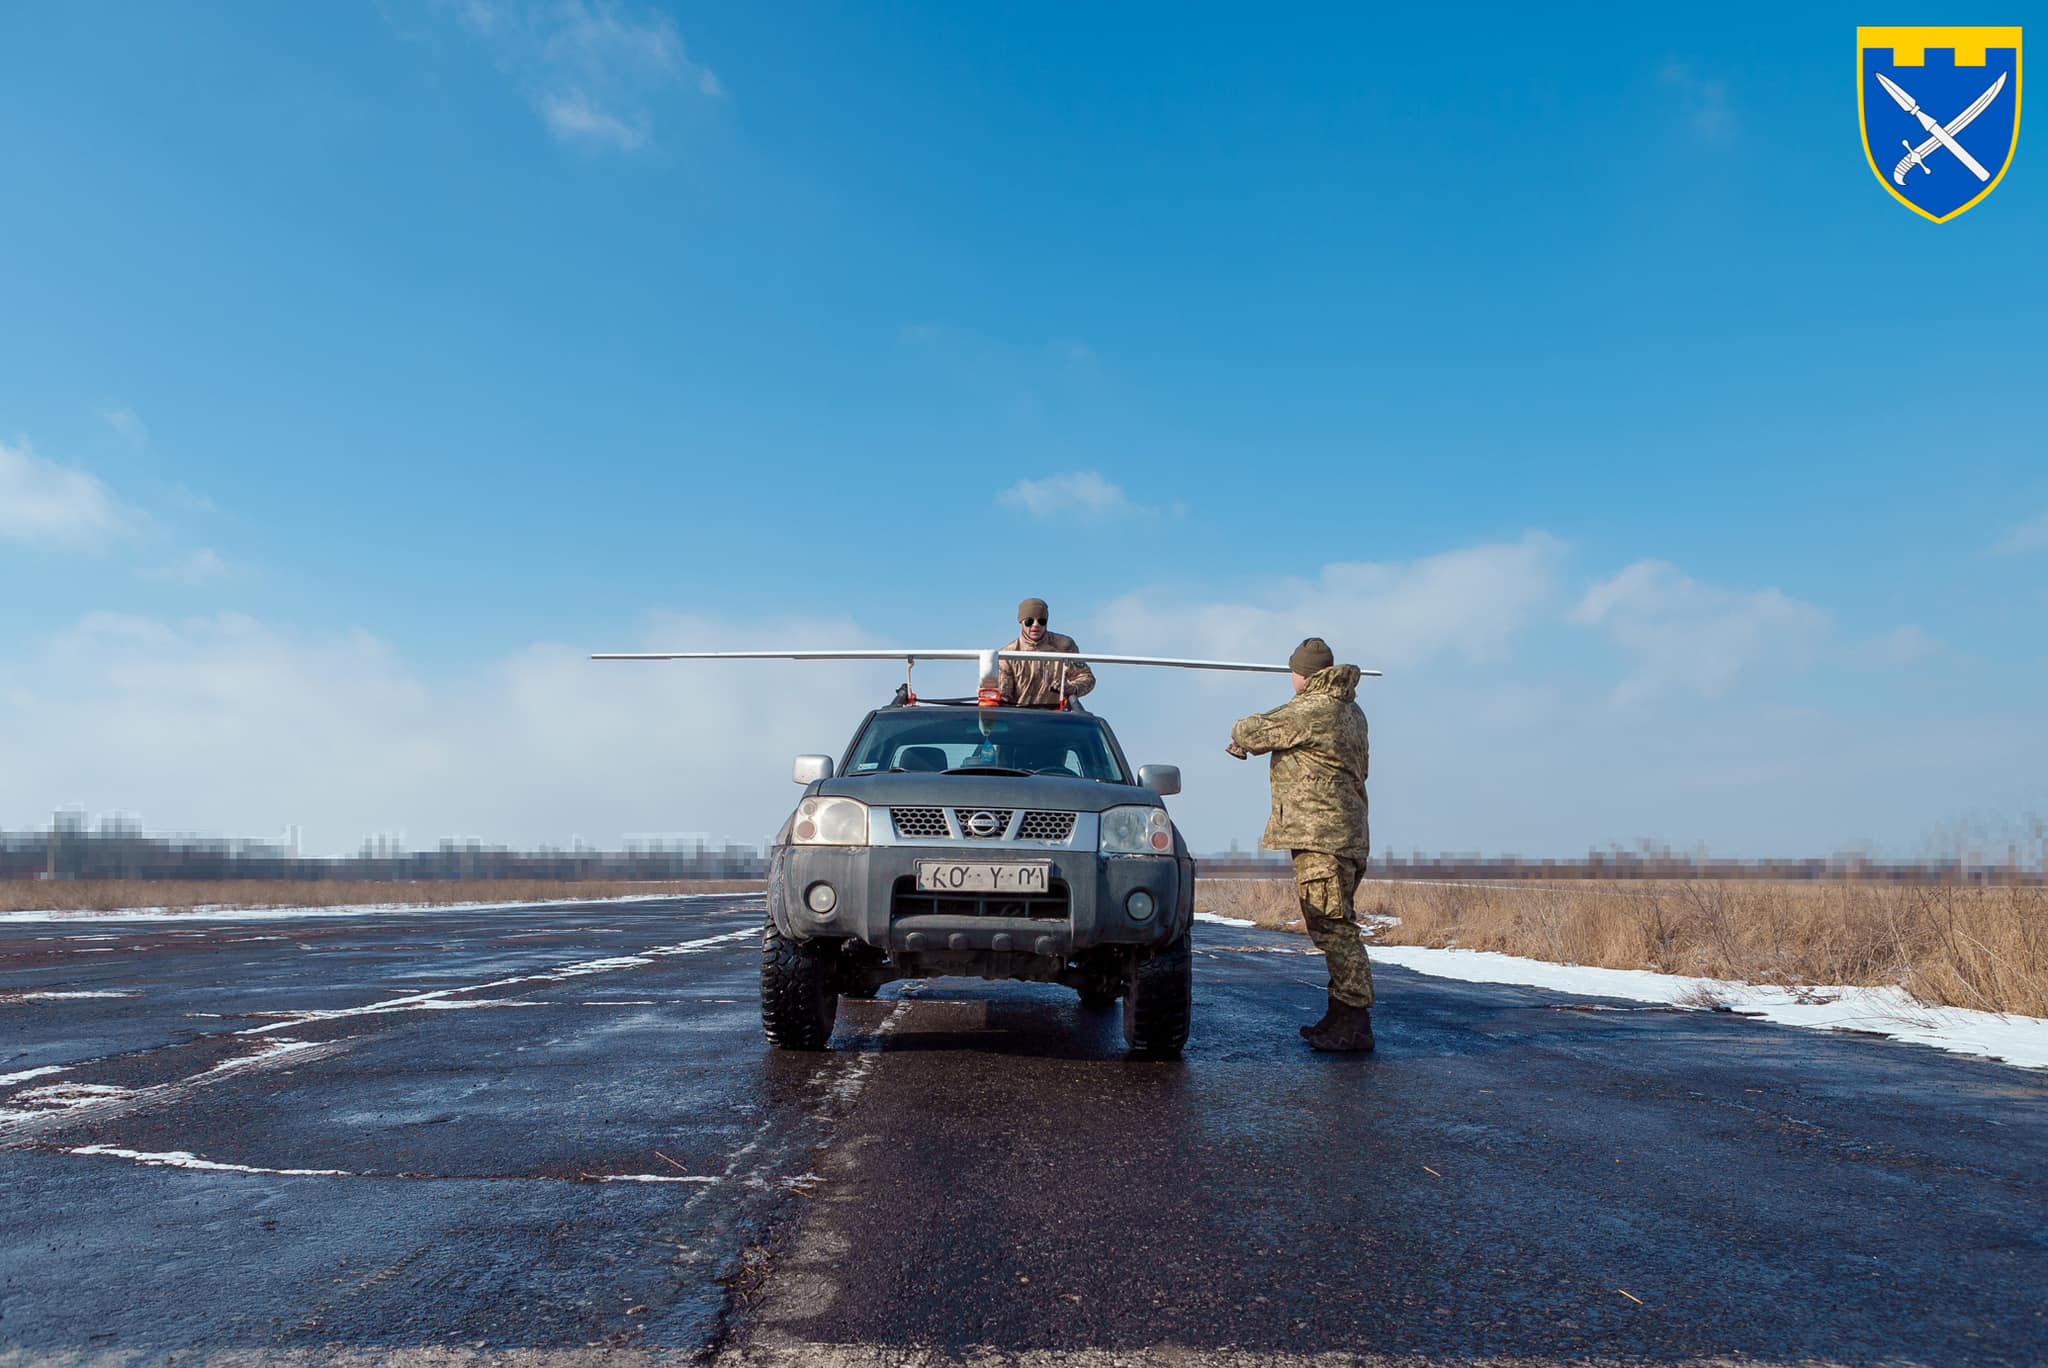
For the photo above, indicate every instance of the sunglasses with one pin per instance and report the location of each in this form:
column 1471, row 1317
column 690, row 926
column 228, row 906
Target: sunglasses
column 1032, row 622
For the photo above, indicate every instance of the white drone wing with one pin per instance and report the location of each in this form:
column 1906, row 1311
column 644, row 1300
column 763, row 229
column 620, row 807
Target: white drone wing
column 986, row 659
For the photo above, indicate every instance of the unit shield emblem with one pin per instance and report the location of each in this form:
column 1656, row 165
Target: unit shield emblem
column 1941, row 112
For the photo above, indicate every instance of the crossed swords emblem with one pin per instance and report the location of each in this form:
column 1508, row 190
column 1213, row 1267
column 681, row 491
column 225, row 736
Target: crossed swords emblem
column 1939, row 135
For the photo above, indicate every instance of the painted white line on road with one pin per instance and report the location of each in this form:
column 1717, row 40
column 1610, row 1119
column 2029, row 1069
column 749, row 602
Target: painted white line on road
column 437, row 998
column 216, row 913
column 846, row 1090
column 185, row 1159
column 769, row 1347
column 745, row 1169
column 18, row 1128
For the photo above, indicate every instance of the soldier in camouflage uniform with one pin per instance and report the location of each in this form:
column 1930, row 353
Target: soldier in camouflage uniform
column 1034, row 684
column 1320, row 756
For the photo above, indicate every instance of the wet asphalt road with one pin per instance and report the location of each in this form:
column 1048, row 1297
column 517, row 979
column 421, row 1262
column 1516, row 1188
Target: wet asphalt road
column 554, row 1135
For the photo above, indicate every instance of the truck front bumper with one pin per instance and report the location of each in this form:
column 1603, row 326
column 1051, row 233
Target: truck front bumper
column 875, row 901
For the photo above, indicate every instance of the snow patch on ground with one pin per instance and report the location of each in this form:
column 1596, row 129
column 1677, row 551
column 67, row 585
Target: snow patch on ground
column 184, row 1160
column 26, row 1074
column 1222, row 920
column 1884, row 1011
column 270, row 1050
column 53, row 995
column 31, row 1103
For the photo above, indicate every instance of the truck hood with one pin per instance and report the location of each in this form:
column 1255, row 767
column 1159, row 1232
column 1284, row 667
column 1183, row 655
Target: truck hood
column 1040, row 791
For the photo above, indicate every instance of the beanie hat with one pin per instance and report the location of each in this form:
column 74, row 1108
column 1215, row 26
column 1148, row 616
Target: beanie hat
column 1033, row 608
column 1312, row 655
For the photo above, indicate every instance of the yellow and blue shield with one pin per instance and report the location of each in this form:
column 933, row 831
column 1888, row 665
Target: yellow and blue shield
column 1941, row 112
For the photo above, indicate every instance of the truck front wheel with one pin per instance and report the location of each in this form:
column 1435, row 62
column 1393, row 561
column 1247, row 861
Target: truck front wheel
column 799, row 1002
column 1159, row 999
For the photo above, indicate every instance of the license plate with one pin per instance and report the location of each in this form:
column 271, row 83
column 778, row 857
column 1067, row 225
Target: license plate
column 947, row 876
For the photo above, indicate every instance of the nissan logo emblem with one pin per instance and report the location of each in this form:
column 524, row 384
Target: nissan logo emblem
column 983, row 824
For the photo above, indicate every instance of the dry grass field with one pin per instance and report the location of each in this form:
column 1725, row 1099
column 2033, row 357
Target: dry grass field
column 1946, row 944
column 113, row 895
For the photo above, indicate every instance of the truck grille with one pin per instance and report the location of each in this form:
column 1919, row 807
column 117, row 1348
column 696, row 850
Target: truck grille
column 994, row 824
column 919, row 821
column 1046, row 826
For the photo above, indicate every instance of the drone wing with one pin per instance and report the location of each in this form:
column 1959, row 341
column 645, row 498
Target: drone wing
column 911, row 656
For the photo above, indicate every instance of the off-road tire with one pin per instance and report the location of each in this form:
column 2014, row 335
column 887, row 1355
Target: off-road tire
column 1159, row 1000
column 798, row 1000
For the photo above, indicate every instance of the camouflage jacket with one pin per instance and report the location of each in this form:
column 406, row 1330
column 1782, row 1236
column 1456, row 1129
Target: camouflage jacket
column 1027, row 681
column 1320, row 757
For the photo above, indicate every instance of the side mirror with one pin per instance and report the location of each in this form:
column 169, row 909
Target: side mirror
column 809, row 769
column 1163, row 780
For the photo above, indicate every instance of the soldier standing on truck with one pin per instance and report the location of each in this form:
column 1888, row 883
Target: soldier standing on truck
column 1320, row 756
column 1032, row 683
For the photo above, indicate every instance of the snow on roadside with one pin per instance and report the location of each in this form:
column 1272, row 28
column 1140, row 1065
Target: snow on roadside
column 216, row 913
column 1884, row 1011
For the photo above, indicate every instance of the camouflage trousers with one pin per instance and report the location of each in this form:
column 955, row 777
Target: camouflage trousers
column 1326, row 885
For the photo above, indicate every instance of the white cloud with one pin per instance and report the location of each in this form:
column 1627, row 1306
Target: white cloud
column 1082, row 493
column 204, row 566
column 124, row 421
column 1470, row 603
column 232, row 726
column 2029, row 536
column 1704, row 102
column 595, row 70
column 1900, row 647
column 572, row 118
column 1693, row 637
column 43, row 503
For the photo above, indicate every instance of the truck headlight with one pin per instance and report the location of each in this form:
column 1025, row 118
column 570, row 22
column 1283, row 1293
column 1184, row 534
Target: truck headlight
column 1135, row 831
column 830, row 821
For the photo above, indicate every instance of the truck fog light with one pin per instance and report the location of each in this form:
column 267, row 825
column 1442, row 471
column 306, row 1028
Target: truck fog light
column 821, row 898
column 1139, row 905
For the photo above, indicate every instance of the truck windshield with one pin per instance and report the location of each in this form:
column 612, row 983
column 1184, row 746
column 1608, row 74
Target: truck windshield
column 987, row 738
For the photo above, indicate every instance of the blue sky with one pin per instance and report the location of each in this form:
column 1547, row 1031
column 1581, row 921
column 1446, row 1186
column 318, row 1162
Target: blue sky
column 362, row 366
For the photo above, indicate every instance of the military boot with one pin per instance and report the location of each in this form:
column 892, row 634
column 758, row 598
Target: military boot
column 1347, row 1031
column 1328, row 1011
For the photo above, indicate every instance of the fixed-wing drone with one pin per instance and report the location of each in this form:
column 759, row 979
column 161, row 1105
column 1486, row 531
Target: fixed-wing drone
column 1940, row 135
column 986, row 662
